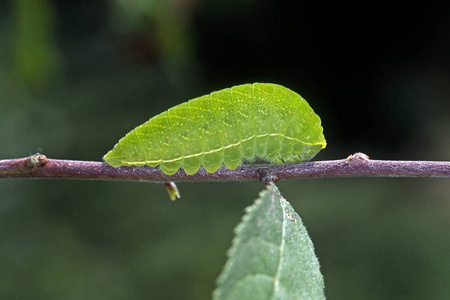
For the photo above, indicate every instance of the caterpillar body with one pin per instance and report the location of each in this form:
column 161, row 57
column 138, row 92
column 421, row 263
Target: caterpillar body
column 244, row 122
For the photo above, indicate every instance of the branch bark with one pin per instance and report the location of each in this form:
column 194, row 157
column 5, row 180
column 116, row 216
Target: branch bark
column 357, row 165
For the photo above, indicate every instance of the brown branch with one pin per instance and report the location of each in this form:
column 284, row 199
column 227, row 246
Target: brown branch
column 358, row 165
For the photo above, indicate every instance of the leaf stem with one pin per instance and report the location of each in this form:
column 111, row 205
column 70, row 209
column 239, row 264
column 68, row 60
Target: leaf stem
column 357, row 165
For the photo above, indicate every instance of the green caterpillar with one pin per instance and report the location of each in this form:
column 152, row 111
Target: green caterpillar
column 248, row 121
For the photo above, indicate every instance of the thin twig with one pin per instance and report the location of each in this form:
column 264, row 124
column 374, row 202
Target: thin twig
column 358, row 165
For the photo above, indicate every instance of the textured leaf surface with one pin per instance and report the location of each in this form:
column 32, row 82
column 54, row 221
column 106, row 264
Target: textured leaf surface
column 260, row 120
column 272, row 256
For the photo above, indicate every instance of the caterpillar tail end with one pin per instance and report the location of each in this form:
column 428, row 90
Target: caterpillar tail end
column 110, row 160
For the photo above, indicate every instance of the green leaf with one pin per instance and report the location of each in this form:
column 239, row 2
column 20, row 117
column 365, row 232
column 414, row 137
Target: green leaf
column 272, row 256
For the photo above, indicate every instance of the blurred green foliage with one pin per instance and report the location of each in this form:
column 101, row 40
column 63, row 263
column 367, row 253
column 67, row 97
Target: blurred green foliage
column 35, row 56
column 77, row 76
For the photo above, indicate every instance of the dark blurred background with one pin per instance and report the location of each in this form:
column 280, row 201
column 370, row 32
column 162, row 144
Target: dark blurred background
column 76, row 76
